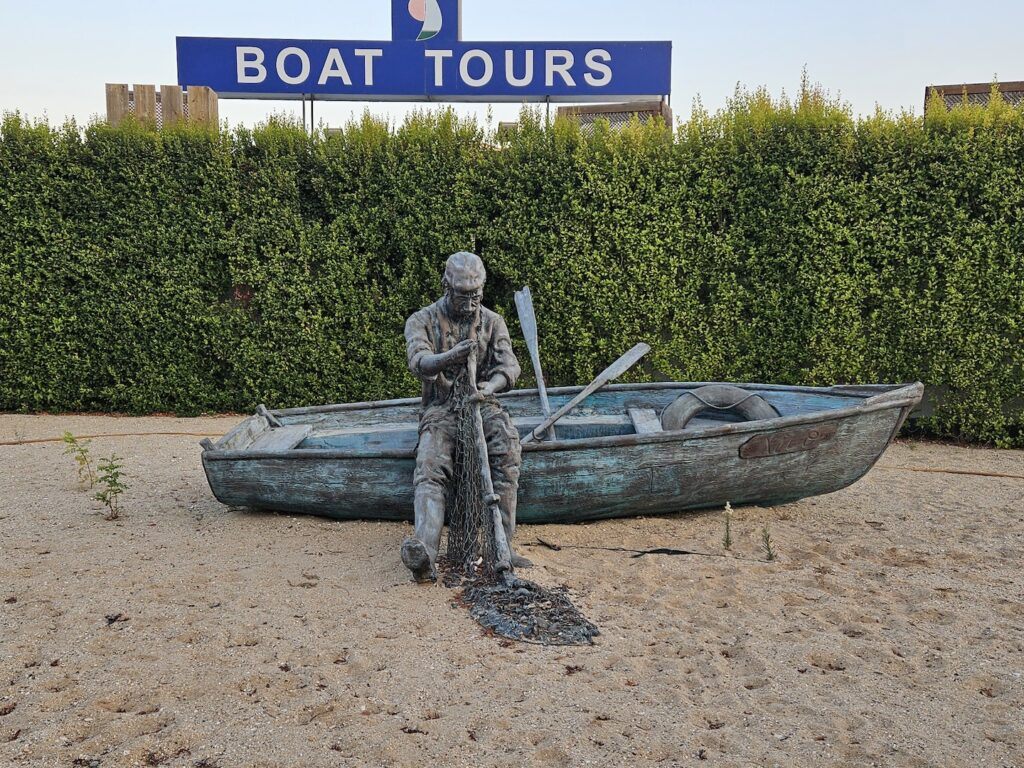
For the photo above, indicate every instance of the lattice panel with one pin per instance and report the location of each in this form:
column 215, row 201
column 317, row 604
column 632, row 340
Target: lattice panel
column 617, row 115
column 159, row 107
column 1016, row 98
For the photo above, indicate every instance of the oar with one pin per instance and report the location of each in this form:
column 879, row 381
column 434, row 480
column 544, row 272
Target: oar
column 610, row 373
column 528, row 319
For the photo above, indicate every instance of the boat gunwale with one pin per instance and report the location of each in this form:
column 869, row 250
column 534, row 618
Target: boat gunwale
column 853, row 391
column 888, row 397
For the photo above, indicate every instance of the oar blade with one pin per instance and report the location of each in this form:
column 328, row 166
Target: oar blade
column 528, row 320
column 527, row 317
column 624, row 363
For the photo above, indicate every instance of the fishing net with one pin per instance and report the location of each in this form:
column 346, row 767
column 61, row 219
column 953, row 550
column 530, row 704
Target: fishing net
column 470, row 547
column 502, row 603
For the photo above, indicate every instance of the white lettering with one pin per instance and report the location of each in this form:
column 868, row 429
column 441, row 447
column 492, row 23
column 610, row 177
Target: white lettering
column 248, row 58
column 510, row 70
column 368, row 55
column 439, row 57
column 595, row 59
column 334, row 66
column 485, row 78
column 561, row 67
column 283, row 56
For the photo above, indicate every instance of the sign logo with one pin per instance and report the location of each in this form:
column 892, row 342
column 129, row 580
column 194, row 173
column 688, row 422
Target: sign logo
column 422, row 20
column 426, row 60
column 428, row 12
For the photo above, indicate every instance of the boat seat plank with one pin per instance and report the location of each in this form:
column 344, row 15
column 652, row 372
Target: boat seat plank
column 364, row 429
column 281, row 438
column 645, row 420
column 242, row 436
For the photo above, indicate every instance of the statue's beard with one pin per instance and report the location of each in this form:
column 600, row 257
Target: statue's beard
column 456, row 313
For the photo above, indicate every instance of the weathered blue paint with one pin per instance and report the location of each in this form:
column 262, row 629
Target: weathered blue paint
column 358, row 461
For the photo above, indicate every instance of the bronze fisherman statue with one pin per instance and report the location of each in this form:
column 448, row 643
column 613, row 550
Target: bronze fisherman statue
column 439, row 341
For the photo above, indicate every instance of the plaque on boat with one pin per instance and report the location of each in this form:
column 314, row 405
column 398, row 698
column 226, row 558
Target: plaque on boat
column 787, row 441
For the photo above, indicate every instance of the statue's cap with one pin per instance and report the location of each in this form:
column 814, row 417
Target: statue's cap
column 465, row 272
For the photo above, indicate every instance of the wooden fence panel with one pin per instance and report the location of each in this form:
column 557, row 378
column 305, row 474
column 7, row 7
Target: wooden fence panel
column 145, row 103
column 117, row 102
column 172, row 106
column 202, row 106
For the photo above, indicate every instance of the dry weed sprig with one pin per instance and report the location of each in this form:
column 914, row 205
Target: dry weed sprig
column 767, row 545
column 79, row 450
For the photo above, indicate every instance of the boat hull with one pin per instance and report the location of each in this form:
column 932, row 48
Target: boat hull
column 765, row 462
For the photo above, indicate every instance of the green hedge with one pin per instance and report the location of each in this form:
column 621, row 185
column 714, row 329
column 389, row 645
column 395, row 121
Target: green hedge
column 188, row 271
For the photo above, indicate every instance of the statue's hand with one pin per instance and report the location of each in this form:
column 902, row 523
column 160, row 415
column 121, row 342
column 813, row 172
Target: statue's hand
column 431, row 365
column 460, row 352
column 487, row 389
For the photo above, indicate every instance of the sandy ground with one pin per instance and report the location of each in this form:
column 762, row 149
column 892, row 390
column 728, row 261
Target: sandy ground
column 889, row 631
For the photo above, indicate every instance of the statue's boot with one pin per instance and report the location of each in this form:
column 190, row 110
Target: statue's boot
column 508, row 499
column 417, row 560
column 518, row 561
column 419, row 552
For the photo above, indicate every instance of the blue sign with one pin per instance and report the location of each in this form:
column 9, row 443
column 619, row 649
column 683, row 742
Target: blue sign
column 426, row 61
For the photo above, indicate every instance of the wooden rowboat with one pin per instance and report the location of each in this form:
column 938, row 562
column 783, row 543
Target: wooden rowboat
column 612, row 456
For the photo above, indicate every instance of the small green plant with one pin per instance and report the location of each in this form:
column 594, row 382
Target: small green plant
column 766, row 544
column 79, row 450
column 727, row 537
column 111, row 485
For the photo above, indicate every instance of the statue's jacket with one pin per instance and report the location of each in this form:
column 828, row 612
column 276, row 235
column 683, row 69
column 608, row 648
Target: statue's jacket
column 431, row 331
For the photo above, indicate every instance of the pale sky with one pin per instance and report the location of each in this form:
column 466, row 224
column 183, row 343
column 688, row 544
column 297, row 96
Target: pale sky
column 56, row 56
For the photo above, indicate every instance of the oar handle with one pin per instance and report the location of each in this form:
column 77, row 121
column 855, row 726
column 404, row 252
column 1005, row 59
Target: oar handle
column 503, row 552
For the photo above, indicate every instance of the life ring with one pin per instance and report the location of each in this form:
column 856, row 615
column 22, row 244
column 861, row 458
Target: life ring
column 716, row 397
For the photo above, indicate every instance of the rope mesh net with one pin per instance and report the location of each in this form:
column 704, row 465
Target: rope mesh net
column 511, row 607
column 470, row 546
